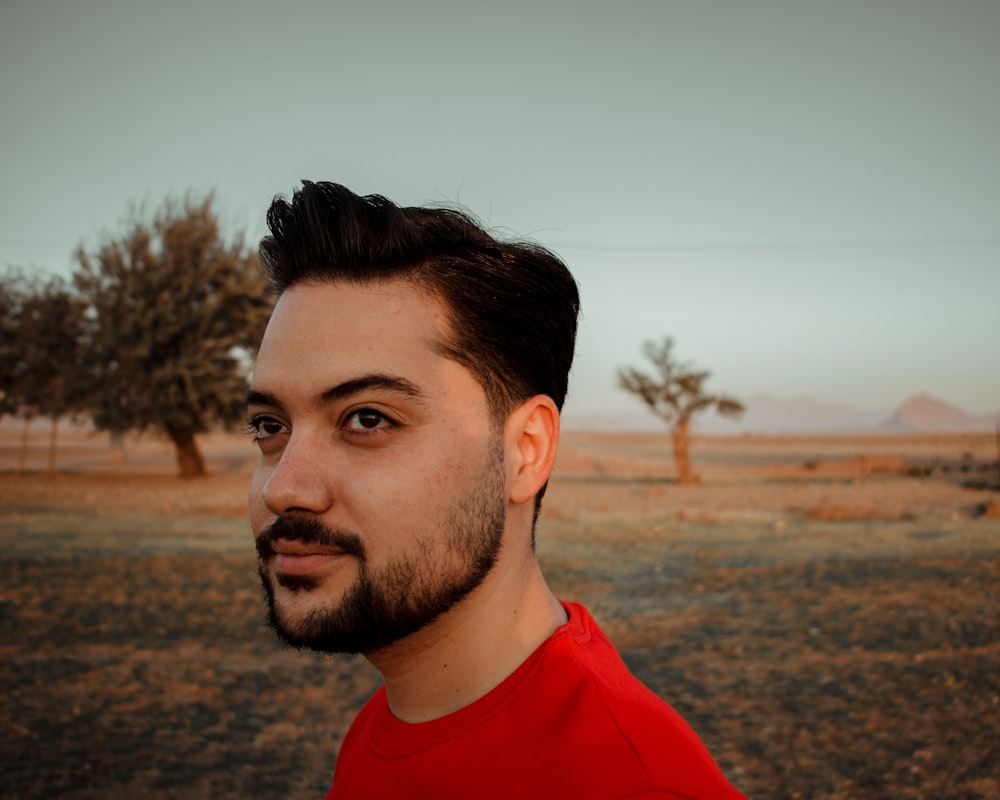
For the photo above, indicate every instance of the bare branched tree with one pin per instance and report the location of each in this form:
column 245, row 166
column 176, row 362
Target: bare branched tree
column 675, row 393
column 174, row 313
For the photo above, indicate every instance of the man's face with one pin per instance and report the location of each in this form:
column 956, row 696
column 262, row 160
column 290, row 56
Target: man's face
column 380, row 496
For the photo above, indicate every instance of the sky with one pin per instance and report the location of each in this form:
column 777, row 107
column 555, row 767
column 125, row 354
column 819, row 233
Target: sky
column 805, row 195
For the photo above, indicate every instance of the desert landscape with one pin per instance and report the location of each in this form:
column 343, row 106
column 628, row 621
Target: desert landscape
column 824, row 610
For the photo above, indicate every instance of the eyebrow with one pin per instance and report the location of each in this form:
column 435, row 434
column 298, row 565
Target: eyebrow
column 376, row 380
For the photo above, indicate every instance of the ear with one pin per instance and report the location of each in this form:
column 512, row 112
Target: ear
column 532, row 435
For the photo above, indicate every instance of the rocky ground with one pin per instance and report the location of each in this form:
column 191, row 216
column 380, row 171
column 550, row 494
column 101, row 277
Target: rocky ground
column 828, row 622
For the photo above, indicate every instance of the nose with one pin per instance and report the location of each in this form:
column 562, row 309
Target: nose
column 299, row 481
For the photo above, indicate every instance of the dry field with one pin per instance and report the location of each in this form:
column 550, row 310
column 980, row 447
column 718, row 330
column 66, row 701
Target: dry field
column 824, row 611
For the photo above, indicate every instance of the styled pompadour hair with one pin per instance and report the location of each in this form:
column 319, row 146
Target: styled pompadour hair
column 512, row 306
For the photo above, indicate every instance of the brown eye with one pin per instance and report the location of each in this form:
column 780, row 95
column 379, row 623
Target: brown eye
column 367, row 419
column 270, row 427
column 265, row 427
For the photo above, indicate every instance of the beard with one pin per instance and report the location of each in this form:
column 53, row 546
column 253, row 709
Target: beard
column 391, row 601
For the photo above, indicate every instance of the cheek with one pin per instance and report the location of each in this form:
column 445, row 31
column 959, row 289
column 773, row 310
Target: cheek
column 407, row 495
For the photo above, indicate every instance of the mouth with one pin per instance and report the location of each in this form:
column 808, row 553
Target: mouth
column 303, row 558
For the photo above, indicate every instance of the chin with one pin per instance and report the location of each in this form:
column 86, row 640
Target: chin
column 290, row 600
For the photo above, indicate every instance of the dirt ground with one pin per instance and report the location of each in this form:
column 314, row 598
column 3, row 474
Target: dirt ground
column 824, row 611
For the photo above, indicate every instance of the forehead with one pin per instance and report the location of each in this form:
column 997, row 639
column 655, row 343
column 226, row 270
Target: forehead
column 335, row 330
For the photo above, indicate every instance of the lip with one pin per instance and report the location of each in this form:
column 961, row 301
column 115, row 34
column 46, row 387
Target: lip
column 300, row 558
column 303, row 565
column 285, row 547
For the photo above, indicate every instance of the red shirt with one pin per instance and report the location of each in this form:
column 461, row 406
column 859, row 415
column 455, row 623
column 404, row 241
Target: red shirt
column 570, row 722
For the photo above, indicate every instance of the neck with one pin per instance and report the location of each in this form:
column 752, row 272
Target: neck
column 471, row 649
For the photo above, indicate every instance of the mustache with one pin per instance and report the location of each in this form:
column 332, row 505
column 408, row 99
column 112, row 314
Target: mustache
column 308, row 531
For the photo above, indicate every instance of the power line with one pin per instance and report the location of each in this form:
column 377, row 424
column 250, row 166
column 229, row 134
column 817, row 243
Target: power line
column 914, row 246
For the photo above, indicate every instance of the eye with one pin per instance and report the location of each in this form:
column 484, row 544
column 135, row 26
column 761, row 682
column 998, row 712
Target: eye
column 367, row 419
column 263, row 427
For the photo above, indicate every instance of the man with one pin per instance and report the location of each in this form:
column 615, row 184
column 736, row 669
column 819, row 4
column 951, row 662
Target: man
column 406, row 404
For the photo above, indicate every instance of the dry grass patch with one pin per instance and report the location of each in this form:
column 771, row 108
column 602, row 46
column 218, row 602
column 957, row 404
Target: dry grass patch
column 852, row 513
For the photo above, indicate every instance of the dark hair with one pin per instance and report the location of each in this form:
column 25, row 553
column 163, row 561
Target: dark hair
column 512, row 305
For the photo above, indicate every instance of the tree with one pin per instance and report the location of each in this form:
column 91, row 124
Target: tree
column 675, row 393
column 41, row 322
column 13, row 290
column 174, row 314
column 11, row 298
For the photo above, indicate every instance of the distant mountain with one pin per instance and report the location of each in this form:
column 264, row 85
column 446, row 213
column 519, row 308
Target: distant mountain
column 768, row 414
column 923, row 413
column 764, row 414
column 633, row 419
column 775, row 415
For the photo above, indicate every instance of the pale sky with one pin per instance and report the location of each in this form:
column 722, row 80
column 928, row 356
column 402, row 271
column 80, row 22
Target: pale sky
column 805, row 195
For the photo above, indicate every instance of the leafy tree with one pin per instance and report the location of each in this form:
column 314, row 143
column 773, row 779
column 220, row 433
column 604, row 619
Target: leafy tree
column 13, row 290
column 174, row 315
column 675, row 393
column 11, row 297
column 40, row 355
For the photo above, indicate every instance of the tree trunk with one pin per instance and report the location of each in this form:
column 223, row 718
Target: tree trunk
column 116, row 441
column 681, row 452
column 22, row 455
column 190, row 463
column 53, row 439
